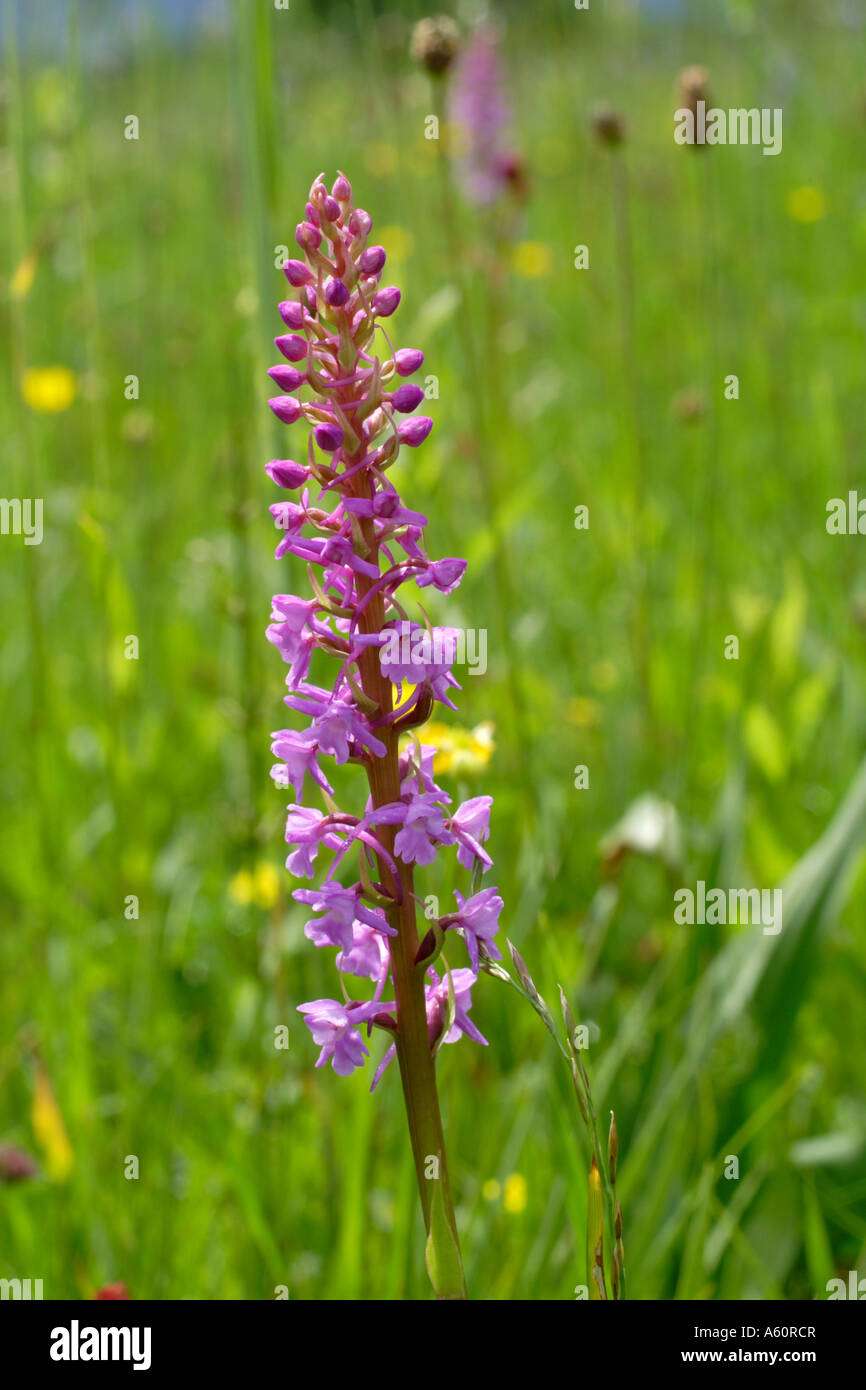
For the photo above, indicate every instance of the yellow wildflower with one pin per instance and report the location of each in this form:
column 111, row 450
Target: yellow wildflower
column 532, row 259
column 266, row 884
column 261, row 887
column 490, row 1190
column 22, row 277
column 514, row 1194
column 48, row 389
column 806, row 204
column 462, row 752
column 583, row 712
column 49, row 1128
column 241, row 888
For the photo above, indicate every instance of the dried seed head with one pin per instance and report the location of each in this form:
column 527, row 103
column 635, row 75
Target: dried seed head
column 692, row 87
column 434, row 43
column 522, row 973
column 567, row 1015
column 578, row 1091
column 608, row 126
column 612, row 1148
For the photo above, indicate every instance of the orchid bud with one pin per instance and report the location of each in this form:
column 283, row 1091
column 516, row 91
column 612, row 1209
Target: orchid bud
column 308, row 237
column 386, row 301
column 292, row 346
column 287, row 378
column 342, row 189
column 372, row 261
column 360, row 223
column 413, row 432
column 406, row 397
column 286, row 408
column 286, row 473
column 292, row 313
column 336, row 293
column 297, row 273
column 408, row 360
column 329, row 437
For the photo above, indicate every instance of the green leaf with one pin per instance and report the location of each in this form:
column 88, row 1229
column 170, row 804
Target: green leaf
column 786, row 626
column 765, row 742
column 444, row 1264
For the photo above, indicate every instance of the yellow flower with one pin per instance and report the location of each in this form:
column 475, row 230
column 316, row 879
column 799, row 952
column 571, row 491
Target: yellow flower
column 806, row 204
column 490, row 1190
column 22, row 277
column 266, row 885
column 397, row 242
column 48, row 389
column 514, row 1194
column 49, row 1128
column 406, row 693
column 261, row 887
column 381, row 159
column 241, row 888
column 532, row 259
column 462, row 752
column 583, row 712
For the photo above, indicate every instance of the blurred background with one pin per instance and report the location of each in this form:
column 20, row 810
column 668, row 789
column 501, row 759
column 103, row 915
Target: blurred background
column 150, row 945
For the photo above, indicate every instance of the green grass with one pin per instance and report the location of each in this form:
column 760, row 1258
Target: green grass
column 150, row 777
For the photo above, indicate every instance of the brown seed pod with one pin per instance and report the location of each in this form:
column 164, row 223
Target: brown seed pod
column 692, row 87
column 608, row 126
column 434, row 43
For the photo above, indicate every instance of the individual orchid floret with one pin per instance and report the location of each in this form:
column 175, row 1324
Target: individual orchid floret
column 335, row 1030
column 308, row 829
column 422, row 826
column 437, row 1007
column 340, row 727
column 367, row 957
column 470, row 826
column 478, row 917
column 342, row 910
column 299, row 754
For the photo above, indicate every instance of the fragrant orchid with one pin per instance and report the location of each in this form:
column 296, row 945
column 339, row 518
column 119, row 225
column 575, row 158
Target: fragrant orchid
column 360, row 544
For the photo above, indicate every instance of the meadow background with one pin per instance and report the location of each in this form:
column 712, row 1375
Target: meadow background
column 153, row 1035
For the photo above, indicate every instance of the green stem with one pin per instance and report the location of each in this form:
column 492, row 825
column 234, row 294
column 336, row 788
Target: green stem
column 640, row 617
column 414, row 1054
